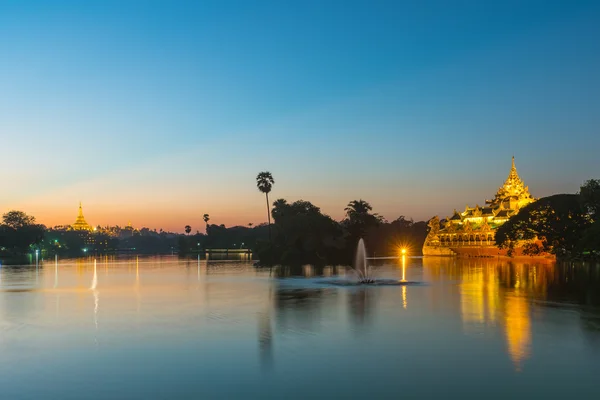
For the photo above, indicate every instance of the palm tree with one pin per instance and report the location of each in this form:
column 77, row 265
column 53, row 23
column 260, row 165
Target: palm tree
column 250, row 224
column 264, row 183
column 206, row 218
column 357, row 208
column 359, row 218
column 188, row 229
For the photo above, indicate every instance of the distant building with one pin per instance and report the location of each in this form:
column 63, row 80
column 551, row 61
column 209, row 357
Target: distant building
column 80, row 223
column 472, row 231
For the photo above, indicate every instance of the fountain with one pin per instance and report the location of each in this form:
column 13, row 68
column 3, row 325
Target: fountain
column 364, row 273
column 360, row 264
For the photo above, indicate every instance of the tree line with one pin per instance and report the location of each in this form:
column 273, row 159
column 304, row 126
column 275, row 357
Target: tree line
column 564, row 224
column 300, row 233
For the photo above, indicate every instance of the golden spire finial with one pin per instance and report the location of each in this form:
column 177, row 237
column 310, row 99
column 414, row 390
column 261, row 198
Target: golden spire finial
column 513, row 176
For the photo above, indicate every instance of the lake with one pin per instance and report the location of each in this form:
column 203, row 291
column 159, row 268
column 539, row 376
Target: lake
column 167, row 328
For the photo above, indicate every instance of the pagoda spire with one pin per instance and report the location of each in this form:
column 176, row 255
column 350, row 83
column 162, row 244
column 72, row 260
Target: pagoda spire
column 80, row 222
column 513, row 176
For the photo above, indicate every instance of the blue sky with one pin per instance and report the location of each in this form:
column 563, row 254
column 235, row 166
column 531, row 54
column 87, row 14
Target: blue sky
column 159, row 111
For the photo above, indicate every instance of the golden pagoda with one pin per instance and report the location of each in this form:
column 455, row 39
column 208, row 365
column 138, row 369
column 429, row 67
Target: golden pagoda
column 473, row 229
column 80, row 223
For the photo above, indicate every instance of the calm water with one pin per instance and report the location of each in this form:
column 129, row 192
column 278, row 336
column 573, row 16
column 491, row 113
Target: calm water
column 163, row 328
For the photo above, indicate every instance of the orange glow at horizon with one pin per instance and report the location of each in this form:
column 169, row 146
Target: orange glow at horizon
column 161, row 194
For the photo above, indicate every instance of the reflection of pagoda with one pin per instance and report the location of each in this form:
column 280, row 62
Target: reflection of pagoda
column 475, row 227
column 518, row 329
column 80, row 223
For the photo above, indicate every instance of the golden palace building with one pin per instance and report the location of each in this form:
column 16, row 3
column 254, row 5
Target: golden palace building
column 472, row 232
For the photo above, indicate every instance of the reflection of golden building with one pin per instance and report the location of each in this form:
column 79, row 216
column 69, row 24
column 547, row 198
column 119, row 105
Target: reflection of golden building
column 492, row 297
column 80, row 223
column 486, row 300
column 475, row 226
column 518, row 328
column 479, row 295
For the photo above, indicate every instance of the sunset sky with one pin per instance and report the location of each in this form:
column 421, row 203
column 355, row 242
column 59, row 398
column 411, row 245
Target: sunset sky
column 157, row 112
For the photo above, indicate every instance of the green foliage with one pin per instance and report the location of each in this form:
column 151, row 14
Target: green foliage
column 590, row 198
column 19, row 233
column 304, row 235
column 17, row 219
column 558, row 221
column 590, row 239
column 532, row 249
column 359, row 218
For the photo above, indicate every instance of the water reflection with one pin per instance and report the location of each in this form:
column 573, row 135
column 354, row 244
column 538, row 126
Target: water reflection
column 265, row 334
column 527, row 319
column 55, row 272
column 361, row 303
column 495, row 292
column 308, row 271
column 297, row 310
column 265, row 340
column 517, row 322
column 95, row 293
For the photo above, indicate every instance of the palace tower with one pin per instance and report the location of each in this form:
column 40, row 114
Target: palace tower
column 472, row 230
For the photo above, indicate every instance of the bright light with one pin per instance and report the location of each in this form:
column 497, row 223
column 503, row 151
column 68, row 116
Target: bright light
column 403, row 251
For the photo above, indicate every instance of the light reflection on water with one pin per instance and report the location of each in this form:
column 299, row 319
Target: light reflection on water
column 168, row 328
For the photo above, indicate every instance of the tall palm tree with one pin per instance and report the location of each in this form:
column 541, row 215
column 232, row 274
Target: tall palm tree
column 264, row 183
column 357, row 208
column 359, row 218
column 206, row 218
column 188, row 229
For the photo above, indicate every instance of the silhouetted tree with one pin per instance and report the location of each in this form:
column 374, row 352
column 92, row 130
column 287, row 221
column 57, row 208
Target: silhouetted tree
column 19, row 232
column 17, row 219
column 303, row 235
column 386, row 239
column 264, row 183
column 557, row 221
column 206, row 218
column 359, row 218
column 188, row 229
column 590, row 240
column 590, row 197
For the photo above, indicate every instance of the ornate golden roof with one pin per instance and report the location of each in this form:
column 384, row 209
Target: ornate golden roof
column 80, row 223
column 513, row 192
column 513, row 186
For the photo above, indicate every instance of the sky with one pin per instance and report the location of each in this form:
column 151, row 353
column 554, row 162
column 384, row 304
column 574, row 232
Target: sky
column 156, row 112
